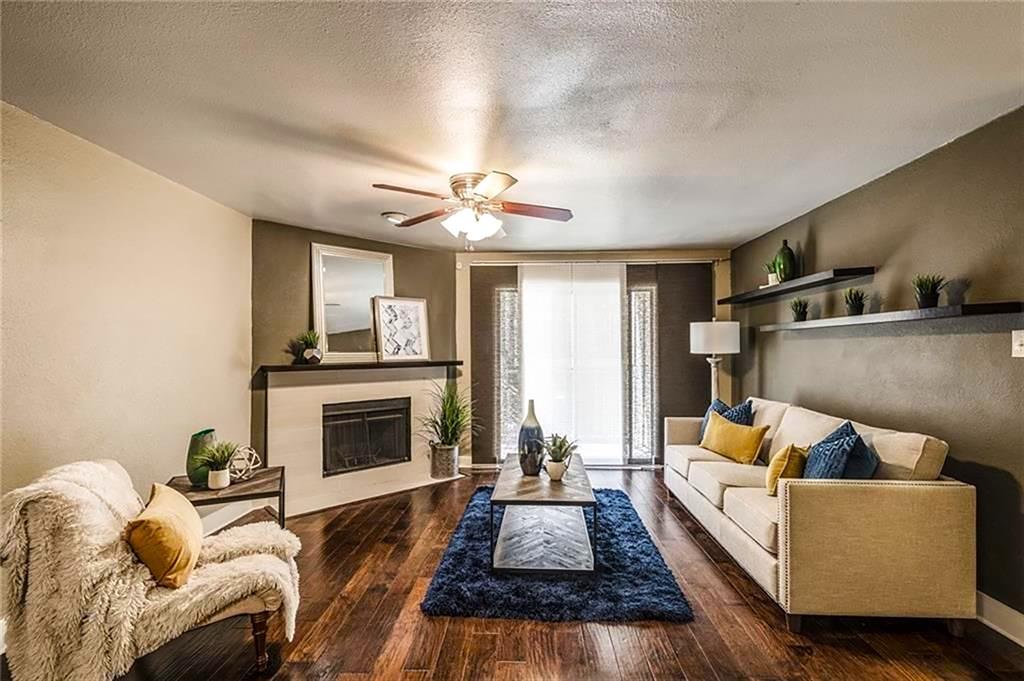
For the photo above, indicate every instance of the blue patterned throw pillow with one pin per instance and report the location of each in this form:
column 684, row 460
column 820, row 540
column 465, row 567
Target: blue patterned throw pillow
column 863, row 459
column 842, row 454
column 742, row 414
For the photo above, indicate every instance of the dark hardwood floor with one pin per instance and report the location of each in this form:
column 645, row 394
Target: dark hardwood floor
column 365, row 567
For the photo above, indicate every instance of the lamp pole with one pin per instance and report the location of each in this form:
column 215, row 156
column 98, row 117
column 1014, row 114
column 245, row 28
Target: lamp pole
column 714, row 361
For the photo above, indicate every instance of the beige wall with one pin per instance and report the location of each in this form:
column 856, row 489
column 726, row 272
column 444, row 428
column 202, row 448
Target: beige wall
column 959, row 211
column 126, row 302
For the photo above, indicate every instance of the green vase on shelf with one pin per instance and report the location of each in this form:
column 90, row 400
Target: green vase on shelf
column 197, row 473
column 785, row 262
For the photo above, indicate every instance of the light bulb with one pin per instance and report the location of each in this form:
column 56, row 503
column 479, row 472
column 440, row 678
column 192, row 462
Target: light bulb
column 460, row 221
column 484, row 227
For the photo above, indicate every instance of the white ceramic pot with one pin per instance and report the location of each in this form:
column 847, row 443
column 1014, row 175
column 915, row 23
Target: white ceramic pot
column 555, row 469
column 219, row 479
column 773, row 279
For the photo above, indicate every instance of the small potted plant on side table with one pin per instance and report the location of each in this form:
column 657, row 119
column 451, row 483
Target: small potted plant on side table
column 449, row 421
column 559, row 450
column 217, row 457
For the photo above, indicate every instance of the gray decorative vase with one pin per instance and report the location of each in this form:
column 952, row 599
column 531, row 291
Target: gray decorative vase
column 444, row 461
column 531, row 443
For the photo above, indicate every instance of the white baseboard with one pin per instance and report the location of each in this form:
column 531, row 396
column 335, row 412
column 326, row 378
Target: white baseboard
column 1001, row 618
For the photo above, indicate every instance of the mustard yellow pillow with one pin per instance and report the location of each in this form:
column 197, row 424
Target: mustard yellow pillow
column 739, row 443
column 167, row 536
column 788, row 462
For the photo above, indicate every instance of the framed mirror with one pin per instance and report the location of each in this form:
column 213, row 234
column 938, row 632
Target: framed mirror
column 345, row 281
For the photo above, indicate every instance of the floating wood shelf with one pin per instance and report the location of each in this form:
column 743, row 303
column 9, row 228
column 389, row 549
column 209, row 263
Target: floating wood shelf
column 799, row 284
column 360, row 366
column 950, row 311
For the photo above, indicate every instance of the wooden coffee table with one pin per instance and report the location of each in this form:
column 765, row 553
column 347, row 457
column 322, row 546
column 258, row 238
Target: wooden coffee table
column 543, row 528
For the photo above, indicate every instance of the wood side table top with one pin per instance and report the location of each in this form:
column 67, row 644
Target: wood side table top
column 265, row 482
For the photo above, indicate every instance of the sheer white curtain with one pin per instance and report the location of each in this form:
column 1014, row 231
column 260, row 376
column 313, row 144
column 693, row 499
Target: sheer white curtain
column 572, row 352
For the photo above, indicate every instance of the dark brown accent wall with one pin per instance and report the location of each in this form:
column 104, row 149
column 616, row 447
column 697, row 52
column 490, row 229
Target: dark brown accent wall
column 958, row 211
column 282, row 295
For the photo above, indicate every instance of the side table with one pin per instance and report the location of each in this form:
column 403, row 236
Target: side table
column 265, row 483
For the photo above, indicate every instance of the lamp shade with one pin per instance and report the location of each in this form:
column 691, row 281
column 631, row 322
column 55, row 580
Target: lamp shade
column 714, row 338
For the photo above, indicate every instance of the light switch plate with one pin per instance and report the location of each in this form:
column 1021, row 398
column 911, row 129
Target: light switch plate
column 1018, row 344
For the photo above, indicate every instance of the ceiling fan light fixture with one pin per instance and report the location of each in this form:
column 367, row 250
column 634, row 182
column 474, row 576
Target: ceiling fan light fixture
column 459, row 221
column 484, row 227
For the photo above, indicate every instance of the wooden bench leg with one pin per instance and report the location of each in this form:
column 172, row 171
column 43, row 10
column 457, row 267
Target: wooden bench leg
column 259, row 637
column 794, row 623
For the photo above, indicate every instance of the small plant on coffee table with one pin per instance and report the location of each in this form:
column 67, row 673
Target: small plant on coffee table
column 560, row 448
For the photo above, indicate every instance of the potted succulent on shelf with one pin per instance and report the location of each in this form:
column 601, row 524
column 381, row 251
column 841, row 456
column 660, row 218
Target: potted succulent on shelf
column 217, row 457
column 449, row 421
column 559, row 450
column 306, row 348
column 799, row 308
column 854, row 298
column 773, row 275
column 926, row 289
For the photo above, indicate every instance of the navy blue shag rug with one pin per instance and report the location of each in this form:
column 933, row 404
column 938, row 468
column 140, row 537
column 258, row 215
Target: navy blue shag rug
column 631, row 583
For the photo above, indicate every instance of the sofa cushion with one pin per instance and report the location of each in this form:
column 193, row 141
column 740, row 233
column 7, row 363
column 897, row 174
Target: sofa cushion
column 827, row 459
column 739, row 443
column 904, row 456
column 712, row 478
column 863, row 460
column 167, row 536
column 767, row 413
column 742, row 414
column 756, row 513
column 679, row 457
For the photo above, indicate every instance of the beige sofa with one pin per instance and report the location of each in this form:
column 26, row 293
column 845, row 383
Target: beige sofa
column 901, row 544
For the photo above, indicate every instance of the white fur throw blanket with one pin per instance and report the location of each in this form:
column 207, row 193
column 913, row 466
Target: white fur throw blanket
column 79, row 604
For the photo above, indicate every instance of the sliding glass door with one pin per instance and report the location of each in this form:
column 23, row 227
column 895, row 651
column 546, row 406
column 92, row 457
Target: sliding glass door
column 572, row 353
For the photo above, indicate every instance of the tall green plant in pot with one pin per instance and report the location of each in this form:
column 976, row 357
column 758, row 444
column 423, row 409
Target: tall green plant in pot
column 449, row 421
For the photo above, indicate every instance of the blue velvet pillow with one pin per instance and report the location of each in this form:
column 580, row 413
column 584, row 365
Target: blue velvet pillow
column 742, row 414
column 863, row 460
column 842, row 454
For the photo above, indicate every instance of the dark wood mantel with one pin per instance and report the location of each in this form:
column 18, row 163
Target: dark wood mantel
column 358, row 366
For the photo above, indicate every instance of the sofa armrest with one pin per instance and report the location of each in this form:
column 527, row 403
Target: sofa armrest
column 877, row 547
column 682, row 430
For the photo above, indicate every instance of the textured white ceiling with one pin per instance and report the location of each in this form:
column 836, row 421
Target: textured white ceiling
column 657, row 124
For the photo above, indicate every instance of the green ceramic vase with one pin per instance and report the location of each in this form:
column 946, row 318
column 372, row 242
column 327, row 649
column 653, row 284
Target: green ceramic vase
column 785, row 262
column 197, row 473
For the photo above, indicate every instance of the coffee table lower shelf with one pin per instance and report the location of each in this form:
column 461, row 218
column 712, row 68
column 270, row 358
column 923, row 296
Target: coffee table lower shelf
column 543, row 539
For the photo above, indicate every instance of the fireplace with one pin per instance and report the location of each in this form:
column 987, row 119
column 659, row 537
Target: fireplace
column 361, row 435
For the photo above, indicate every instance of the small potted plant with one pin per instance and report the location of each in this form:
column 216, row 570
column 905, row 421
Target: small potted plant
column 799, row 308
column 773, row 274
column 449, row 421
column 559, row 450
column 926, row 289
column 306, row 348
column 854, row 298
column 217, row 457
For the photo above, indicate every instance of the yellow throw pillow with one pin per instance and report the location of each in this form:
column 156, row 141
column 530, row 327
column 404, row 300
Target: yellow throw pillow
column 167, row 536
column 788, row 462
column 739, row 443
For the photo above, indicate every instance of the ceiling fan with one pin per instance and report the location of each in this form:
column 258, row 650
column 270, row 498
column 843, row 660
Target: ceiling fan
column 473, row 204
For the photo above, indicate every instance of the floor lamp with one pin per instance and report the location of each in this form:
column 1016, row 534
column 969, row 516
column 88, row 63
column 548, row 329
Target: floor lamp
column 714, row 338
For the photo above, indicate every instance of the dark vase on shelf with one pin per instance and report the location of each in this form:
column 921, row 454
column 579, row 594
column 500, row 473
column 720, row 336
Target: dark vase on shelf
column 785, row 262
column 197, row 472
column 854, row 309
column 926, row 300
column 531, row 443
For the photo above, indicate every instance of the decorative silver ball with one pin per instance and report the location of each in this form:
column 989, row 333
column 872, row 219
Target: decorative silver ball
column 244, row 463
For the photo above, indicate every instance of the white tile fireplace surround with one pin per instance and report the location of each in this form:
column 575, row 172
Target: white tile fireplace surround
column 294, row 434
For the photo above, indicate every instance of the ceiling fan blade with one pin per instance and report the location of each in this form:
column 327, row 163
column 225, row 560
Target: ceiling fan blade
column 494, row 184
column 406, row 190
column 533, row 211
column 415, row 220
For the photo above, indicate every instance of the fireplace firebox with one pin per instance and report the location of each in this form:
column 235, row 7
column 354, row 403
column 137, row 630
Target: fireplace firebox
column 368, row 434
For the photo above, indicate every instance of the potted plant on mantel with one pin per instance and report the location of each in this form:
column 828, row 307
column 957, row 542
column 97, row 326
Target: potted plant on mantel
column 559, row 450
column 854, row 299
column 449, row 421
column 926, row 289
column 217, row 457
